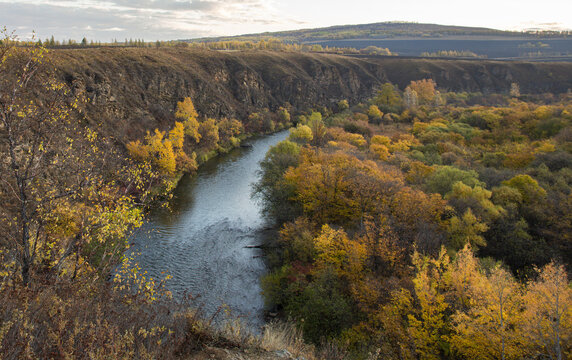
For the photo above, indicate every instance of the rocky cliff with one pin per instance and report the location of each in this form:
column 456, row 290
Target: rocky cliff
column 131, row 90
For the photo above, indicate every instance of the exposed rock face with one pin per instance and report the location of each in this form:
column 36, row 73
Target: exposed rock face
column 132, row 90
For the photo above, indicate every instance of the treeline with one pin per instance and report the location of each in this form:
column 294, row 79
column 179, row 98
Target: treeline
column 278, row 45
column 52, row 43
column 268, row 44
column 416, row 229
column 452, row 53
column 193, row 140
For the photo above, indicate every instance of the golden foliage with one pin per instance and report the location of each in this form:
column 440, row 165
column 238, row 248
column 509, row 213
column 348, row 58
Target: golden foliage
column 335, row 250
column 301, row 134
column 425, row 90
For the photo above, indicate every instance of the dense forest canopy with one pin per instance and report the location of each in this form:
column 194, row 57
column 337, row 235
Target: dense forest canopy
column 417, row 226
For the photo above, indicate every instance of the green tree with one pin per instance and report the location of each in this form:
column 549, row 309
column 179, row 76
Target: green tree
column 276, row 194
column 318, row 128
column 528, row 188
column 476, row 198
column 466, row 230
column 442, row 180
column 324, row 310
column 388, row 98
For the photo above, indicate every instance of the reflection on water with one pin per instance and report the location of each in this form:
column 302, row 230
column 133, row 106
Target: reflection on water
column 201, row 241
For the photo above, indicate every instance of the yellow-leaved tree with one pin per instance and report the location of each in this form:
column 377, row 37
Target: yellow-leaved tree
column 186, row 112
column 167, row 155
column 547, row 320
column 428, row 324
column 487, row 329
column 336, row 251
column 162, row 152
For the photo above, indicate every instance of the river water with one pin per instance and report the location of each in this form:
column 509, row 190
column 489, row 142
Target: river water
column 201, row 240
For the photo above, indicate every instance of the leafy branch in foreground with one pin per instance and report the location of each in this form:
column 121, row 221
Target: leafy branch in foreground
column 65, row 193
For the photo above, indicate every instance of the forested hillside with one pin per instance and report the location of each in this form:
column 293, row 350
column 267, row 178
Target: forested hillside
column 416, row 225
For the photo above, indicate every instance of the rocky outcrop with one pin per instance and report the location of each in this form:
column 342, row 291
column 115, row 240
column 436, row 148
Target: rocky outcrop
column 131, row 90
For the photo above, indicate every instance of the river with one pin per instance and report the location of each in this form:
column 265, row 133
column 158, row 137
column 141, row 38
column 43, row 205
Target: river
column 201, row 240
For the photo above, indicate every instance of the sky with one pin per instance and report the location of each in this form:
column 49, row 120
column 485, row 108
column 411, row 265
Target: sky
column 184, row 19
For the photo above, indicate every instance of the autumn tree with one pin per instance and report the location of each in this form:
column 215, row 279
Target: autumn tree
column 283, row 115
column 334, row 250
column 428, row 325
column 229, row 129
column 379, row 146
column 161, row 152
column 425, row 90
column 547, row 321
column 487, row 329
column 186, row 112
column 514, row 90
column 301, row 134
column 59, row 200
column 463, row 275
column 410, row 97
column 335, row 187
column 374, row 113
column 343, row 105
column 209, row 134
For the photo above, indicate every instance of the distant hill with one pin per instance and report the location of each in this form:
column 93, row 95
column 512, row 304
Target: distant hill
column 413, row 39
column 384, row 30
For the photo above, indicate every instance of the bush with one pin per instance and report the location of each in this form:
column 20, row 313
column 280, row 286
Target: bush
column 442, row 180
column 358, row 128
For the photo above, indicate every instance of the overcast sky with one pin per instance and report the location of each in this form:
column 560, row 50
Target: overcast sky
column 183, row 19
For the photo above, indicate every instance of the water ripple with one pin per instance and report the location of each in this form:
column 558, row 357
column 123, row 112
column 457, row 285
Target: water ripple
column 201, row 243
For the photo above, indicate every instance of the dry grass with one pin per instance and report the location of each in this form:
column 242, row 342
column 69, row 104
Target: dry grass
column 74, row 321
column 286, row 336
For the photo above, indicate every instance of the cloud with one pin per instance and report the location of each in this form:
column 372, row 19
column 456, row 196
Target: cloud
column 148, row 19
